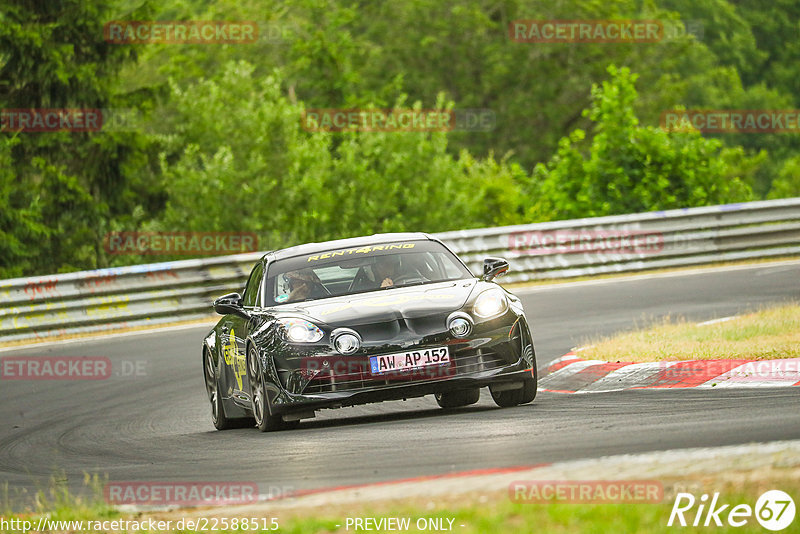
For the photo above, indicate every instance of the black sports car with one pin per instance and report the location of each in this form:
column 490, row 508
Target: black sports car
column 368, row 319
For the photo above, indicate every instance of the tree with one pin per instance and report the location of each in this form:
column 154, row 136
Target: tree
column 20, row 216
column 77, row 184
column 343, row 53
column 626, row 168
column 239, row 160
column 787, row 183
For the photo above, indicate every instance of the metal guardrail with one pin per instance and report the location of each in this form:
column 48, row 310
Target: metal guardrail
column 182, row 290
column 659, row 239
column 120, row 297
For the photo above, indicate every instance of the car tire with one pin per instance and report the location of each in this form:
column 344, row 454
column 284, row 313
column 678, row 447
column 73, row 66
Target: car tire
column 513, row 397
column 457, row 399
column 529, row 390
column 218, row 417
column 531, row 384
column 507, row 398
column 258, row 394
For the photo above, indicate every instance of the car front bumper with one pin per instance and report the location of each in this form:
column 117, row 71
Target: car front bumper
column 498, row 352
column 512, row 375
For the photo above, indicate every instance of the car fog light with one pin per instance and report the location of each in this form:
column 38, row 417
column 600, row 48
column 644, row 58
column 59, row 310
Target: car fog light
column 459, row 326
column 346, row 342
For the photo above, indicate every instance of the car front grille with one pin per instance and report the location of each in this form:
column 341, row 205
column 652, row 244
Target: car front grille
column 357, row 374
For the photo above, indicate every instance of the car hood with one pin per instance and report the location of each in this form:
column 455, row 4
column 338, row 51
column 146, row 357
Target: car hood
column 387, row 304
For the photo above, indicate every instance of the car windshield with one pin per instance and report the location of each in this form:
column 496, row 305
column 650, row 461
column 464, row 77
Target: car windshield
column 376, row 267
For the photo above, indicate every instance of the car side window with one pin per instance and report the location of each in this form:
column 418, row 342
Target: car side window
column 251, row 290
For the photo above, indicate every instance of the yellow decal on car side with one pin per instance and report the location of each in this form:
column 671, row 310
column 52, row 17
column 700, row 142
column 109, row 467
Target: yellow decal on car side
column 233, row 358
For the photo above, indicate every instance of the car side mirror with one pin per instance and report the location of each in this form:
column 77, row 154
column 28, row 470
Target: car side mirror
column 493, row 267
column 230, row 304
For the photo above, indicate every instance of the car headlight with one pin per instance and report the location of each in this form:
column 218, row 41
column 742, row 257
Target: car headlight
column 301, row 331
column 490, row 303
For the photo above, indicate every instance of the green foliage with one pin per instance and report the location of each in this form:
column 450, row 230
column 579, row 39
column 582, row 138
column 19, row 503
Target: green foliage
column 627, row 168
column 246, row 165
column 242, row 162
column 20, row 216
column 221, row 148
column 67, row 186
column 787, row 183
column 774, row 24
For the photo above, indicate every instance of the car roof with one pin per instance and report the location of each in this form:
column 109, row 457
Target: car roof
column 351, row 242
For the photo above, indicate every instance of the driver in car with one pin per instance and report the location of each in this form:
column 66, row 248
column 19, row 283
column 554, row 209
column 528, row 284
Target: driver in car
column 300, row 284
column 389, row 271
column 386, row 269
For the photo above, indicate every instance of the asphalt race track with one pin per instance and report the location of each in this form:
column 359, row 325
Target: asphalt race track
column 150, row 421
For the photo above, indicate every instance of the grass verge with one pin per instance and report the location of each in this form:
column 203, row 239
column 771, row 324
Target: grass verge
column 490, row 511
column 767, row 334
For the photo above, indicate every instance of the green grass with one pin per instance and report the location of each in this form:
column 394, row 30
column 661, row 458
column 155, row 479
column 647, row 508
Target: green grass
column 770, row 333
column 479, row 513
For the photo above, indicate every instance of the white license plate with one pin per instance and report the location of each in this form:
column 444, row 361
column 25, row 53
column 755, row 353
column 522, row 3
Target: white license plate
column 412, row 359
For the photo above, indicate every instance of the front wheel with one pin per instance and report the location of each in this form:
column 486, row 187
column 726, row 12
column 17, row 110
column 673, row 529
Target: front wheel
column 456, row 399
column 512, row 397
column 528, row 391
column 218, row 417
column 531, row 384
column 258, row 394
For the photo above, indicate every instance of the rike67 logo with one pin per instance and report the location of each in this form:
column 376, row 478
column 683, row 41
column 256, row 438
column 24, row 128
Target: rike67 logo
column 774, row 510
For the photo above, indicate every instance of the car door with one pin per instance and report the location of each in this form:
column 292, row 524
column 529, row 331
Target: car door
column 235, row 331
